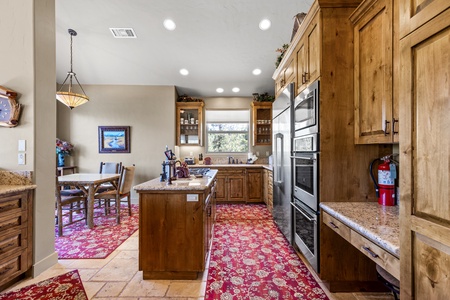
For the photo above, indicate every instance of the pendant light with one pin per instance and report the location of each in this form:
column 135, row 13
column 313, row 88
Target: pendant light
column 69, row 98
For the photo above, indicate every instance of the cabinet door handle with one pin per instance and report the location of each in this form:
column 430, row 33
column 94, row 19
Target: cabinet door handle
column 373, row 254
column 393, row 125
column 386, row 125
column 334, row 225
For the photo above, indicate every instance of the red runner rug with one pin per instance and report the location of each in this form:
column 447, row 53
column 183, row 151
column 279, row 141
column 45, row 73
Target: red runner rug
column 81, row 242
column 251, row 259
column 67, row 286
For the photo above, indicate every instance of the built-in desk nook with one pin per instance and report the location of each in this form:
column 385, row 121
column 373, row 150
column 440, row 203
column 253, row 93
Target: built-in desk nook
column 372, row 228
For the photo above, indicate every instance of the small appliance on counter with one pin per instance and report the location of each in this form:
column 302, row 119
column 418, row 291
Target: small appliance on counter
column 189, row 160
column 207, row 160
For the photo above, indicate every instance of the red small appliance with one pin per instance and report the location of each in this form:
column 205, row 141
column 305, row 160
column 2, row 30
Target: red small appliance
column 385, row 187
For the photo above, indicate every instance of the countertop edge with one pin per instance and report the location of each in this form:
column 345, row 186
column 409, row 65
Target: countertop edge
column 155, row 185
column 7, row 189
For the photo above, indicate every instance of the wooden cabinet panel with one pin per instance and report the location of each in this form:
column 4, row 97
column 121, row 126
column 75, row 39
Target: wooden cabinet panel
column 415, row 13
column 285, row 77
column 375, row 120
column 231, row 185
column 425, row 160
column 236, row 185
column 254, row 185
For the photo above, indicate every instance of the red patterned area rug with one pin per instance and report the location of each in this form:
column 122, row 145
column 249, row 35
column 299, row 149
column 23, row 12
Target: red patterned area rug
column 243, row 212
column 81, row 242
column 67, row 286
column 251, row 259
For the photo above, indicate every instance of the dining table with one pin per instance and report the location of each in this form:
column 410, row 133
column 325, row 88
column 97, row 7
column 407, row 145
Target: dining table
column 88, row 183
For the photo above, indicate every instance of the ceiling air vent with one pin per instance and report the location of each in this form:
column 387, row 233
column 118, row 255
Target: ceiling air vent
column 123, row 33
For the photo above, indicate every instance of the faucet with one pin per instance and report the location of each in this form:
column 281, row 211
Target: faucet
column 230, row 160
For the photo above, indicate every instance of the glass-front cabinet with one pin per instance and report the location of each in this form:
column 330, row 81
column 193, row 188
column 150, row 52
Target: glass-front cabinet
column 262, row 123
column 189, row 123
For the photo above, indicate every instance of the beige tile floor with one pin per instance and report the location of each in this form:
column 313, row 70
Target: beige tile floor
column 117, row 278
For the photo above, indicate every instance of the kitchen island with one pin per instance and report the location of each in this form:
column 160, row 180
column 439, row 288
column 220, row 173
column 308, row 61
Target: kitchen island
column 175, row 226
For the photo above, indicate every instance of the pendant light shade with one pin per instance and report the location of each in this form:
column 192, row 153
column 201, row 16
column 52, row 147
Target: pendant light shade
column 70, row 98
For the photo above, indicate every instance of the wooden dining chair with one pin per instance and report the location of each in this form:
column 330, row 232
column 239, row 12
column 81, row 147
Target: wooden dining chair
column 108, row 168
column 123, row 190
column 67, row 206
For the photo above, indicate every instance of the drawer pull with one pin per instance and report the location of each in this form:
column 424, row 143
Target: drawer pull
column 334, row 225
column 373, row 254
column 5, row 270
column 2, row 249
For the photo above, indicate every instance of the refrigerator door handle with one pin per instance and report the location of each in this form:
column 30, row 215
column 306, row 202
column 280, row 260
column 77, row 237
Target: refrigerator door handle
column 279, row 158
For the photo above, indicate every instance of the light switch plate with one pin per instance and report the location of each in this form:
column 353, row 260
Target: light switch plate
column 22, row 145
column 192, row 197
column 21, row 158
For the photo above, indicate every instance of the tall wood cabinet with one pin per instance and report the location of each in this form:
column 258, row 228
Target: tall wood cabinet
column 189, row 118
column 376, row 48
column 343, row 165
column 424, row 149
column 254, row 185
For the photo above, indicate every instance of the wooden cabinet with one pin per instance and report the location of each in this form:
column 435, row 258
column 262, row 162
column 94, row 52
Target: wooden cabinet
column 175, row 232
column 285, row 77
column 424, row 155
column 262, row 123
column 376, row 48
column 16, row 236
column 231, row 185
column 308, row 54
column 268, row 189
column 254, row 185
column 414, row 14
column 189, row 118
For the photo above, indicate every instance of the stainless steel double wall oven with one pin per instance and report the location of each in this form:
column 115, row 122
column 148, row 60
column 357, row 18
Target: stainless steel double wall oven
column 305, row 172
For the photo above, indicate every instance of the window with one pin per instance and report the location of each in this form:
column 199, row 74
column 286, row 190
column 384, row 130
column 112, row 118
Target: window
column 227, row 131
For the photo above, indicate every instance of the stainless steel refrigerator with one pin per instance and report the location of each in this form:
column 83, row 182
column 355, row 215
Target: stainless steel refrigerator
column 281, row 149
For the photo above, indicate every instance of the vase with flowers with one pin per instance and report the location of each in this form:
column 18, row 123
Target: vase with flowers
column 63, row 148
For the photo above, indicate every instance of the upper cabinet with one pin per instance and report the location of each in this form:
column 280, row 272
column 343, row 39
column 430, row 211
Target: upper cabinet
column 424, row 154
column 262, row 123
column 285, row 77
column 189, row 123
column 375, row 48
column 308, row 55
column 415, row 13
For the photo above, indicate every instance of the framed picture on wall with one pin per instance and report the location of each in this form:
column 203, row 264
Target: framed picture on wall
column 114, row 139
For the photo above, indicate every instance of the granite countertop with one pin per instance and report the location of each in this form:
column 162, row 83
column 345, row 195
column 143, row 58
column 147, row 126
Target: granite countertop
column 378, row 223
column 181, row 184
column 6, row 189
column 265, row 166
column 15, row 181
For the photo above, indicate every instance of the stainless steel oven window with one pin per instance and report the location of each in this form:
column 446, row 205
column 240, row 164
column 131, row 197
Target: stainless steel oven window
column 306, row 234
column 304, row 115
column 305, row 178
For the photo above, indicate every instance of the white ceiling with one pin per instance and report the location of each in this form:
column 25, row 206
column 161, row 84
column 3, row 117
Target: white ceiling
column 219, row 42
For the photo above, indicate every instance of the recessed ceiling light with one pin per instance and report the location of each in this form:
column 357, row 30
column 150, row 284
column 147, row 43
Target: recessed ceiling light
column 256, row 71
column 184, row 72
column 219, row 90
column 169, row 24
column 236, row 89
column 264, row 24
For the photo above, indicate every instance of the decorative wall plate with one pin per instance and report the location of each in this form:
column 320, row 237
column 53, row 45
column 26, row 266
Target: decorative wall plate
column 9, row 108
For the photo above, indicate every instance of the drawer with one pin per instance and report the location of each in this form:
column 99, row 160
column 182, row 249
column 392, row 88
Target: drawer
column 13, row 241
column 12, row 266
column 337, row 226
column 381, row 257
column 13, row 203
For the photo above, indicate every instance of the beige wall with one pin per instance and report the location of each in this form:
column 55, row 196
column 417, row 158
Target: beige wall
column 224, row 103
column 27, row 60
column 148, row 110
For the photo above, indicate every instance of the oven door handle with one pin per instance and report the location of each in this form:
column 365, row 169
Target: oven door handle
column 304, row 157
column 303, row 213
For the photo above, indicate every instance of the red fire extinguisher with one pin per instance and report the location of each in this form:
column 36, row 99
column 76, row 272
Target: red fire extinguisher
column 385, row 187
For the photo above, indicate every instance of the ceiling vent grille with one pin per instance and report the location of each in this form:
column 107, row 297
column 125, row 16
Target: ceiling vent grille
column 123, row 33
